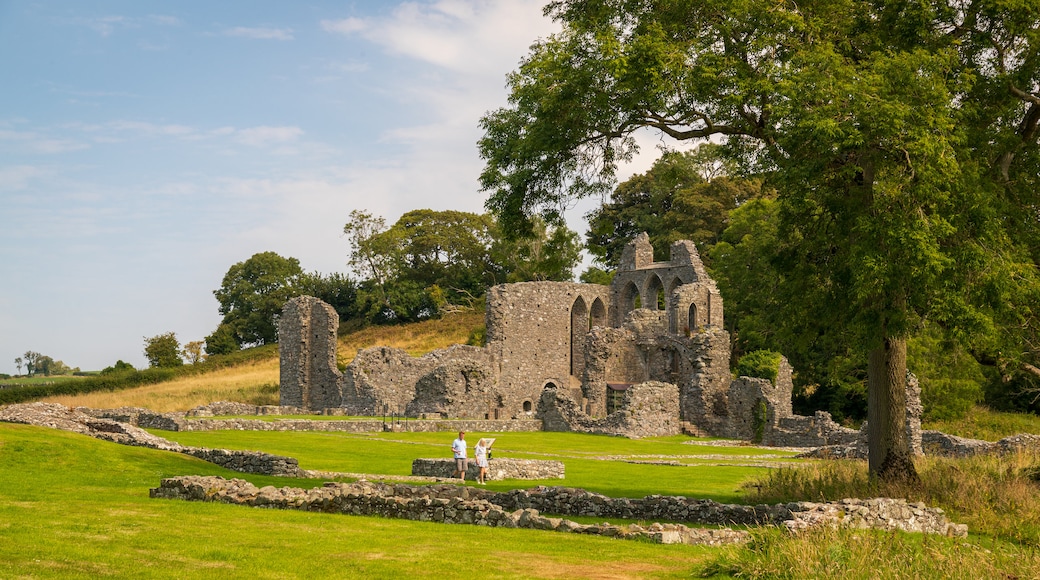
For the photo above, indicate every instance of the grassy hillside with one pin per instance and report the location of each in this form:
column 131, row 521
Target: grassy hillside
column 255, row 382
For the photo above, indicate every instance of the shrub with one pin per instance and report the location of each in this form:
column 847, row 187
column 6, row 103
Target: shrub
column 759, row 364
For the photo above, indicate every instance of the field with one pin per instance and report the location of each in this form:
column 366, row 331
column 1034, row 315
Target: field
column 75, row 507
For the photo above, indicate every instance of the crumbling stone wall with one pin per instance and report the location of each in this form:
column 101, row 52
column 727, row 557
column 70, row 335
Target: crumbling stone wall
column 537, row 336
column 387, row 380
column 656, row 322
column 648, row 409
column 498, row 469
column 465, row 505
column 307, row 349
column 443, row 504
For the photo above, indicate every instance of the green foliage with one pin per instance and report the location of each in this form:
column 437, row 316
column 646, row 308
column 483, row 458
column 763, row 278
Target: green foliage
column 29, row 360
column 222, row 341
column 545, row 253
column 951, row 380
column 478, row 337
column 594, row 275
column 163, row 350
column 252, row 294
column 430, row 262
column 119, row 367
column 336, row 290
column 761, row 364
column 902, row 142
column 681, row 197
column 761, row 414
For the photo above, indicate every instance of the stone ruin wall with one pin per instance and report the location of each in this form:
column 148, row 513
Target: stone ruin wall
column 498, row 469
column 538, row 336
column 573, row 340
column 453, row 504
column 454, row 382
column 308, row 375
column 649, row 409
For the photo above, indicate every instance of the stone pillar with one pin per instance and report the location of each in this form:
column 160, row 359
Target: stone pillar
column 308, row 377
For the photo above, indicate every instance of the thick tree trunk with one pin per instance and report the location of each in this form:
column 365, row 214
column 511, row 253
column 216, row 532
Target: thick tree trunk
column 890, row 457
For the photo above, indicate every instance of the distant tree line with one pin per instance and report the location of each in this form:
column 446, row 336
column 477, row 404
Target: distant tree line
column 41, row 364
column 426, row 264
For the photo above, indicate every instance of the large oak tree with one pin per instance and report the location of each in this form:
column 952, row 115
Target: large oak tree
column 901, row 138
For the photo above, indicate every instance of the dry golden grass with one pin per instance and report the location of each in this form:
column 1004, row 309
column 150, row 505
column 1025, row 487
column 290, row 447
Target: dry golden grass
column 418, row 339
column 994, row 495
column 256, row 383
column 244, row 383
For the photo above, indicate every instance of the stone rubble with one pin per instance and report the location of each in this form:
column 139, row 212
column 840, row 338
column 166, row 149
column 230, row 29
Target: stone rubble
column 499, row 468
column 523, row 508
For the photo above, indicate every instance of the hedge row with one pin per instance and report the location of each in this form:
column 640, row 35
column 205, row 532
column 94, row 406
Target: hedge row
column 130, row 379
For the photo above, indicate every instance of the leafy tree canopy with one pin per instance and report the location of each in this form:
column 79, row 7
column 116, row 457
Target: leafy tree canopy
column 429, row 261
column 684, row 196
column 902, row 139
column 163, row 350
column 252, row 294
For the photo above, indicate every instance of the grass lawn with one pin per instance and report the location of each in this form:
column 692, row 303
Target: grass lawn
column 76, row 507
column 598, row 463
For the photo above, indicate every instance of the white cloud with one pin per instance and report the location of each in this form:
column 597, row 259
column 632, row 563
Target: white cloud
column 17, row 177
column 468, row 36
column 264, row 135
column 260, row 33
column 106, row 25
column 344, row 26
column 32, row 142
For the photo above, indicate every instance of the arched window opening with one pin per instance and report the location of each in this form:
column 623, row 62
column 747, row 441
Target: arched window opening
column 629, row 299
column 655, row 293
column 692, row 322
column 527, row 406
column 598, row 314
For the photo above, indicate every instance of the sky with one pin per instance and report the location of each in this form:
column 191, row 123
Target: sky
column 146, row 147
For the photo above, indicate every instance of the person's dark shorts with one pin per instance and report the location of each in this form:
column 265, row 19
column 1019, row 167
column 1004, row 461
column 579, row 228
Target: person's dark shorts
column 461, row 465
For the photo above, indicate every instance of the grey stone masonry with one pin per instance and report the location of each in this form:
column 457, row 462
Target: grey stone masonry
column 498, row 469
column 442, row 504
column 647, row 409
column 660, row 322
column 523, row 508
column 307, row 348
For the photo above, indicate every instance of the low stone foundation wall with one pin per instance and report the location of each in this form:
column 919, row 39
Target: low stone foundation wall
column 248, row 461
column 445, row 504
column 497, row 468
column 522, row 508
column 196, row 420
column 878, row 513
column 61, row 417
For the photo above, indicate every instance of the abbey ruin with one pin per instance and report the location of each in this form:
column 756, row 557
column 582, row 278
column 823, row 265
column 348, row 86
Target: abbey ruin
column 647, row 355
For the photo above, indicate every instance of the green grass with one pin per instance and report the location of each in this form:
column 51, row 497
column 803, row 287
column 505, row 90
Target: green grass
column 982, row 423
column 597, row 463
column 16, row 382
column 75, row 507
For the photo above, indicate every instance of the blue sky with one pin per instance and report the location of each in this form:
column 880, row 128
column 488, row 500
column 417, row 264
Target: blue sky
column 145, row 147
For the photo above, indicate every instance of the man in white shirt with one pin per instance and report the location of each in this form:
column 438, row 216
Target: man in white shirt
column 458, row 447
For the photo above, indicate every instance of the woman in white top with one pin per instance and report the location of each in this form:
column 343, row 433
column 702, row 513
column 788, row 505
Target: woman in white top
column 480, row 453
